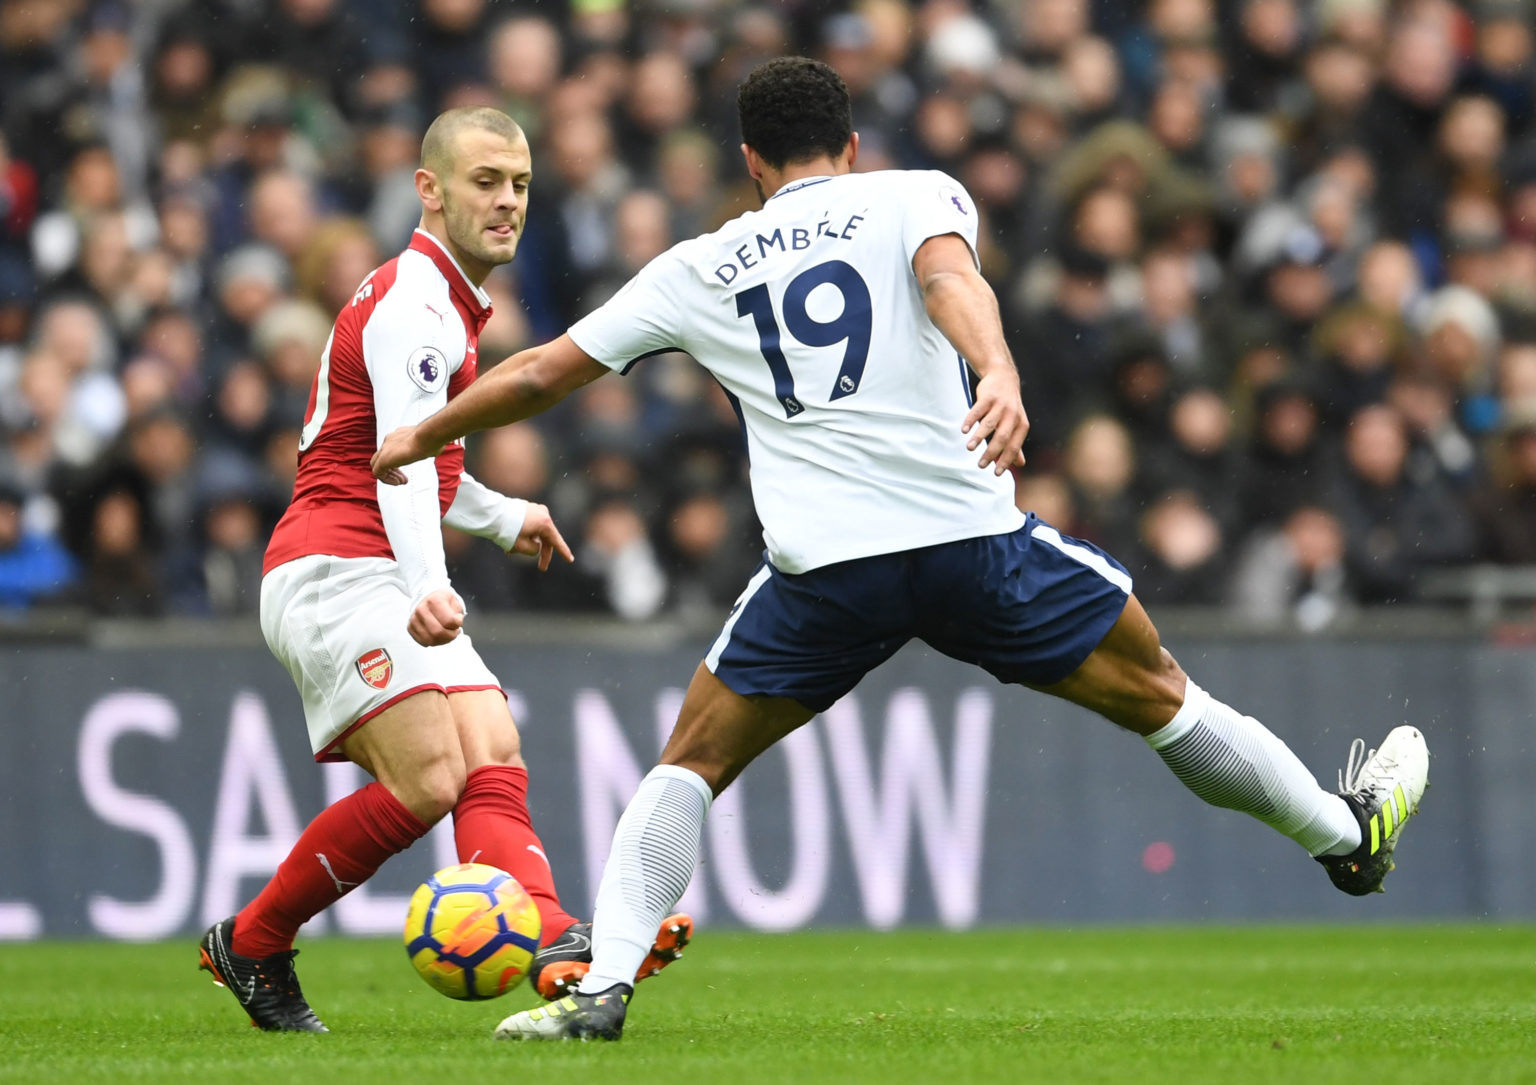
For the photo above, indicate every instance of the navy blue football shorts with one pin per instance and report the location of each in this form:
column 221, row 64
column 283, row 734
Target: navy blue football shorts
column 1028, row 606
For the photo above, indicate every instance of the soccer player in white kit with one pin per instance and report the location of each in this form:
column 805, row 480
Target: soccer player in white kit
column 846, row 320
column 356, row 602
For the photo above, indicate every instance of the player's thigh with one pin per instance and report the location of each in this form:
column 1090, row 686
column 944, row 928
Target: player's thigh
column 1130, row 678
column 810, row 637
column 1029, row 606
column 412, row 748
column 339, row 626
column 487, row 732
column 720, row 732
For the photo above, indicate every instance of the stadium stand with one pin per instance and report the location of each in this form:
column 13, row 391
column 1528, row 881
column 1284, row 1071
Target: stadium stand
column 1268, row 267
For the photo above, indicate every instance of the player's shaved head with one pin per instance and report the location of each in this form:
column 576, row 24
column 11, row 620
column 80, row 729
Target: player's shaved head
column 473, row 184
column 438, row 145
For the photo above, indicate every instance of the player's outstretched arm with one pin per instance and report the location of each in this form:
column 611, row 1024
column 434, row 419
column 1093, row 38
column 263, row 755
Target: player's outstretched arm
column 530, row 381
column 963, row 307
column 515, row 525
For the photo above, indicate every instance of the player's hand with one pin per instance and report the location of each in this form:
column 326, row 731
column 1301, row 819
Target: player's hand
column 399, row 448
column 437, row 619
column 998, row 421
column 540, row 536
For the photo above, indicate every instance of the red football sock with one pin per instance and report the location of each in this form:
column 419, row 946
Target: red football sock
column 340, row 850
column 491, row 825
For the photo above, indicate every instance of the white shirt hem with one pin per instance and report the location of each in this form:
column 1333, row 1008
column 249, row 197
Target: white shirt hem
column 895, row 544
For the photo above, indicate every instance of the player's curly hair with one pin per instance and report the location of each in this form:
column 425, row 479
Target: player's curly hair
column 793, row 109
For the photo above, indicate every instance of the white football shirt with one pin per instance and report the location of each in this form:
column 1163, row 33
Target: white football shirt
column 809, row 315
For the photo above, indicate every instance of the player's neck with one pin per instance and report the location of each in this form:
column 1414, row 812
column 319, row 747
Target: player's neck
column 476, row 271
column 824, row 166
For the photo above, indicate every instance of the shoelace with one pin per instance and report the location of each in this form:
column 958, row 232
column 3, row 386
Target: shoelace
column 1349, row 777
column 283, row 975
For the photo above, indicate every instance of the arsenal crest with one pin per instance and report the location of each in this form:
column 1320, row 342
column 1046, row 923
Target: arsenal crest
column 375, row 668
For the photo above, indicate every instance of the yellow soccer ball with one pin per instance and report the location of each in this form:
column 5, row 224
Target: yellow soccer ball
column 472, row 931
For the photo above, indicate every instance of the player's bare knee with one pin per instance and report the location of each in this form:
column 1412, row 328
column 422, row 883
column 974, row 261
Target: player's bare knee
column 503, row 749
column 1172, row 679
column 695, row 752
column 431, row 792
column 513, row 760
column 717, row 775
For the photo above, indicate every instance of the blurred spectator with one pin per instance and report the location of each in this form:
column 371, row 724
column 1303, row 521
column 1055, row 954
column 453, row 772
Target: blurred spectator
column 1394, row 525
column 706, row 562
column 18, row 202
column 92, row 186
column 1200, row 459
column 160, row 453
column 1182, row 556
column 120, row 577
column 322, row 41
column 283, row 211
column 616, row 549
column 661, row 99
column 1359, row 348
column 1503, row 67
column 1461, row 341
column 1402, row 120
column 382, row 188
column 450, row 44
column 242, row 410
column 1266, row 55
column 1439, row 447
column 288, row 340
column 1339, row 77
column 1504, row 509
column 335, row 261
column 1294, row 573
column 1100, row 466
column 1171, row 311
column 567, row 242
column 250, row 281
column 1286, row 465
column 1143, row 390
column 1066, row 347
column 515, row 461
column 1297, row 289
column 641, row 232
column 1047, row 496
column 183, row 68
column 33, row 566
column 525, row 55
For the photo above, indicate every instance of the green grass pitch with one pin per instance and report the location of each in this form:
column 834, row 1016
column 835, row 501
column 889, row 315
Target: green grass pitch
column 1376, row 1004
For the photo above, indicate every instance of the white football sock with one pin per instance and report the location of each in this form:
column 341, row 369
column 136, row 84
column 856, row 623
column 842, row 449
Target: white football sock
column 655, row 848
column 1234, row 761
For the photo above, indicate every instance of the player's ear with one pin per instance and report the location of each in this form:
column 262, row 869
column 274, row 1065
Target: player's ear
column 428, row 189
column 754, row 162
column 852, row 150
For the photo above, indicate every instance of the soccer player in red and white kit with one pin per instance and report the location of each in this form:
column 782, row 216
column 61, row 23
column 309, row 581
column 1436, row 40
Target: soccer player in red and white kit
column 356, row 601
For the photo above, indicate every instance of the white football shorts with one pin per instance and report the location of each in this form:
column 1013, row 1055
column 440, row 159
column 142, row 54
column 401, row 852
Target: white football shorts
column 338, row 625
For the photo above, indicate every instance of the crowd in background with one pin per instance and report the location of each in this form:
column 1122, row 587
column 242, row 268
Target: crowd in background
column 1267, row 267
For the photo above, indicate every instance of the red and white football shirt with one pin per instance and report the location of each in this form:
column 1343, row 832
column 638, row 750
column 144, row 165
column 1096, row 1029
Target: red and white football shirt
column 402, row 348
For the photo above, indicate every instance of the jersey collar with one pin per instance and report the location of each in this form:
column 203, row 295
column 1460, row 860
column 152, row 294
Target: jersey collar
column 797, row 184
column 477, row 300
